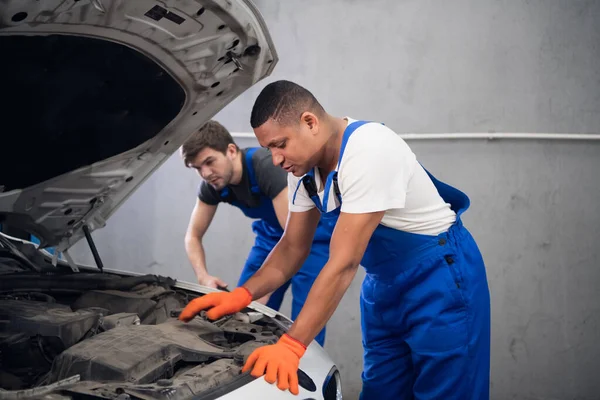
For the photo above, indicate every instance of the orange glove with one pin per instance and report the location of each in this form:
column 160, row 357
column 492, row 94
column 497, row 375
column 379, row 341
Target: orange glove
column 281, row 362
column 223, row 303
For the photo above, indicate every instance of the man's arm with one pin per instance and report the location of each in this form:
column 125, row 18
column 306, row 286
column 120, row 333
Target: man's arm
column 281, row 264
column 280, row 361
column 202, row 216
column 280, row 204
column 348, row 244
column 287, row 256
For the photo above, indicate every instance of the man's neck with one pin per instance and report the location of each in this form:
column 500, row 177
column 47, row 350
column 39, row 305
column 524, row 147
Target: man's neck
column 331, row 150
column 238, row 169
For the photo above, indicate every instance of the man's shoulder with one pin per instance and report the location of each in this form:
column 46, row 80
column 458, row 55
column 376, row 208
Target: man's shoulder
column 377, row 138
column 298, row 197
column 261, row 157
column 271, row 179
column 374, row 148
column 373, row 132
column 208, row 194
column 262, row 162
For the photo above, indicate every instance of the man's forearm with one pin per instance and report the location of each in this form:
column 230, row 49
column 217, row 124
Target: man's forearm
column 324, row 297
column 195, row 253
column 279, row 267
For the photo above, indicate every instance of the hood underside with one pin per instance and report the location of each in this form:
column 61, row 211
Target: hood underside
column 99, row 93
column 74, row 101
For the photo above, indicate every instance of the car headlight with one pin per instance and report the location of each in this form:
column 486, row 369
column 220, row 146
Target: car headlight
column 332, row 388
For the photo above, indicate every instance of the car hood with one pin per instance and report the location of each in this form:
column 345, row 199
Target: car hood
column 99, row 93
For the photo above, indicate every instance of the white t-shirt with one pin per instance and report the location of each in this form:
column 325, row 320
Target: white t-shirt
column 380, row 172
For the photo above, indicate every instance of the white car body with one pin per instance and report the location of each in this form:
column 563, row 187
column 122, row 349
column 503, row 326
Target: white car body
column 203, row 54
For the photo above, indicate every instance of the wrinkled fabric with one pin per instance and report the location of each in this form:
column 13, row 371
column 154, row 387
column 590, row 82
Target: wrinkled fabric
column 426, row 323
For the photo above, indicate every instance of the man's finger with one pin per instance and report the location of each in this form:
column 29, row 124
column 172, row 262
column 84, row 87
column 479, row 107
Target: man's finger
column 293, row 376
column 251, row 360
column 271, row 375
column 283, row 379
column 208, row 300
column 259, row 367
column 217, row 312
column 221, row 283
column 195, row 306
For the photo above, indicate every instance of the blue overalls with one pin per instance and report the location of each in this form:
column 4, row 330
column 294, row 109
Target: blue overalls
column 268, row 232
column 425, row 306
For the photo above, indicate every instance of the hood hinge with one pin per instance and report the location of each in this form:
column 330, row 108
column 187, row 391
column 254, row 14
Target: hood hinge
column 69, row 260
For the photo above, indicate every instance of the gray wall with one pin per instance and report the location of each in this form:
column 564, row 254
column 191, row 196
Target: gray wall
column 440, row 66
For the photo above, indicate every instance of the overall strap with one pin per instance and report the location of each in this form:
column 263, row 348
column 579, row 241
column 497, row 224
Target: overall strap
column 225, row 192
column 310, row 185
column 347, row 133
column 251, row 175
column 332, row 178
column 308, row 180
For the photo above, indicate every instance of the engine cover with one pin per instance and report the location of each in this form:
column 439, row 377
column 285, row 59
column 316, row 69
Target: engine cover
column 145, row 353
column 151, row 303
column 47, row 319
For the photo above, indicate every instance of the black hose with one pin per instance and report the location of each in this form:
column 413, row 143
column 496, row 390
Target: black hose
column 42, row 351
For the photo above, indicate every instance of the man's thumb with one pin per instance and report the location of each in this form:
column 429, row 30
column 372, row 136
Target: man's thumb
column 221, row 283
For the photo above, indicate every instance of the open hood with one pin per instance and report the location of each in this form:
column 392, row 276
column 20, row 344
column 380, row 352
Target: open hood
column 97, row 94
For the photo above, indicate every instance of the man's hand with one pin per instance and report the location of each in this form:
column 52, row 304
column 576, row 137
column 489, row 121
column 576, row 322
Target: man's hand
column 287, row 256
column 348, row 244
column 211, row 281
column 220, row 304
column 281, row 362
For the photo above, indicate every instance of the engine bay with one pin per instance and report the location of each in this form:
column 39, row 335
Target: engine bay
column 101, row 335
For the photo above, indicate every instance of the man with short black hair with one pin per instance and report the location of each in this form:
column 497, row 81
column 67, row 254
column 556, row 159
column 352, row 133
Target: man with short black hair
column 247, row 179
column 425, row 305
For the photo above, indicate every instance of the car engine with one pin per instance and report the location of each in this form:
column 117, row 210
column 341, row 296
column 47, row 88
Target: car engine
column 100, row 335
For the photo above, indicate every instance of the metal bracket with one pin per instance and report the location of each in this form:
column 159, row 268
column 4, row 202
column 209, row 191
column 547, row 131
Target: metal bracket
column 235, row 58
column 70, row 261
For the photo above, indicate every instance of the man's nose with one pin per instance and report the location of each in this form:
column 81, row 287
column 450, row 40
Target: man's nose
column 204, row 172
column 277, row 158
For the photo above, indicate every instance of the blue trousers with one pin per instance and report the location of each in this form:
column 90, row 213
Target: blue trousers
column 301, row 282
column 426, row 327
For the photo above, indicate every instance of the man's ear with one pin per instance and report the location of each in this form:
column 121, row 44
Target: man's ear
column 231, row 151
column 311, row 121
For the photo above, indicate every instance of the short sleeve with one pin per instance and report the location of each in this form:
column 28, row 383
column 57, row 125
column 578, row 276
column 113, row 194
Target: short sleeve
column 207, row 194
column 299, row 201
column 271, row 179
column 375, row 171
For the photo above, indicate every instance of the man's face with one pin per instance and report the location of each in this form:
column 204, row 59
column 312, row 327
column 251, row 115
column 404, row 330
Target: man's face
column 215, row 167
column 295, row 147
